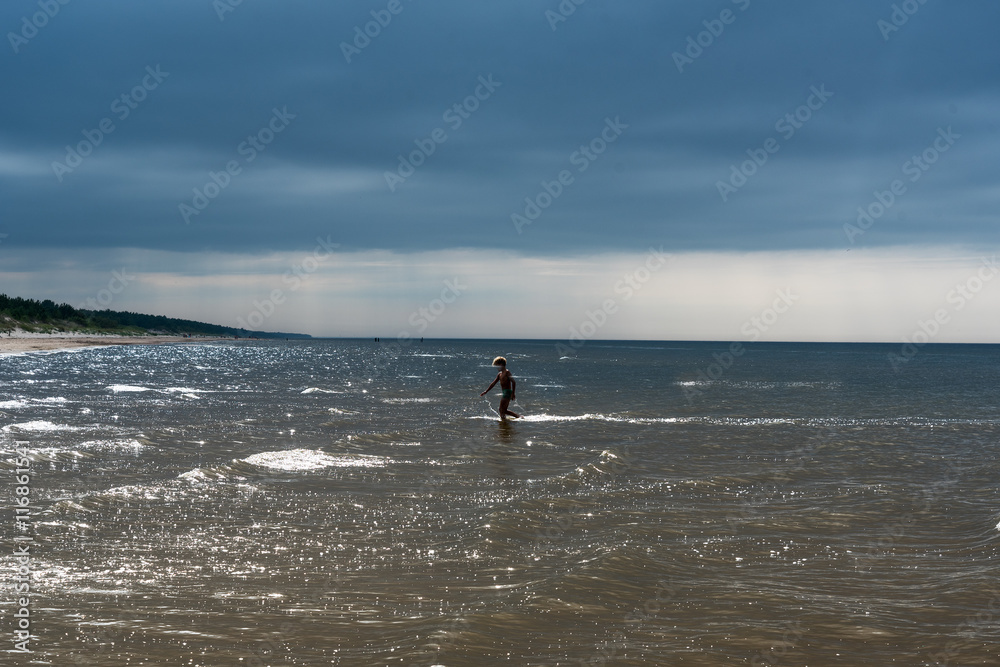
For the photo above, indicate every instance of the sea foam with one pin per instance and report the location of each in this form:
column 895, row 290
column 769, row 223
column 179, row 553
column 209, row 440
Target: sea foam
column 312, row 459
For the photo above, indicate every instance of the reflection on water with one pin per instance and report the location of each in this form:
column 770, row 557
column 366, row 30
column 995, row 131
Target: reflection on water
column 312, row 503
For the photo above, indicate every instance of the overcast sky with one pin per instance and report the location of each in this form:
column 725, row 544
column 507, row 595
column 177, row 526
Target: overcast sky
column 224, row 156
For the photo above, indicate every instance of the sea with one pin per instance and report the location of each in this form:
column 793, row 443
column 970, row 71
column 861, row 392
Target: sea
column 356, row 502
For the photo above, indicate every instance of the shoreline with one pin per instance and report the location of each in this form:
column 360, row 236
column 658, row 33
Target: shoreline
column 18, row 344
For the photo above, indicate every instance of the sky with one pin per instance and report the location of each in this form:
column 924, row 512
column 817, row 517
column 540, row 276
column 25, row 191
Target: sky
column 575, row 169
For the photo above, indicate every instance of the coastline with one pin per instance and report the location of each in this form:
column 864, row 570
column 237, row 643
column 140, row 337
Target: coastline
column 21, row 342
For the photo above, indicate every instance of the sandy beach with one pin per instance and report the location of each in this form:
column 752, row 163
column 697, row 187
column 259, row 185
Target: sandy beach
column 21, row 341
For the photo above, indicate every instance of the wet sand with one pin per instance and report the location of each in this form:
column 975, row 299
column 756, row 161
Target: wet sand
column 47, row 342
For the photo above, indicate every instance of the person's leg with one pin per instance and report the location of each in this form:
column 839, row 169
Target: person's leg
column 504, row 402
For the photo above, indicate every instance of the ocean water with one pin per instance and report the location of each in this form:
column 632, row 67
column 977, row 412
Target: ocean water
column 329, row 503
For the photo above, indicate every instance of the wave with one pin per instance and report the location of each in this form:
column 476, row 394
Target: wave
column 312, row 459
column 760, row 384
column 607, row 464
column 184, row 392
column 287, row 460
column 411, row 400
column 594, row 416
column 38, row 426
column 127, row 388
column 794, row 384
column 116, row 445
column 87, row 449
column 566, row 418
column 206, row 475
column 24, row 402
column 750, row 421
column 317, row 390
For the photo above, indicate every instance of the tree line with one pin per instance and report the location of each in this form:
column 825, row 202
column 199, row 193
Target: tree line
column 31, row 312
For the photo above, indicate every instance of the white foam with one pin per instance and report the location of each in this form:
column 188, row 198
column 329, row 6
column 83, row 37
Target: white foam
column 200, row 475
column 313, row 459
column 561, row 418
column 38, row 426
column 409, row 400
column 122, row 444
column 23, row 403
column 125, row 388
column 317, row 390
column 592, row 416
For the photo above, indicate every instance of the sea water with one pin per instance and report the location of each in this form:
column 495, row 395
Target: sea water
column 338, row 502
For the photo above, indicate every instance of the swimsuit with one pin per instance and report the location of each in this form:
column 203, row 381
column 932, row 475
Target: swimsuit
column 507, row 393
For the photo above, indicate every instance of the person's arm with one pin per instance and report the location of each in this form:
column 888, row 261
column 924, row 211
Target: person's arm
column 495, row 380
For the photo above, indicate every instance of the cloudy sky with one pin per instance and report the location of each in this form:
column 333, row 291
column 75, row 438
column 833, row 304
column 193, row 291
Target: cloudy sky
column 508, row 169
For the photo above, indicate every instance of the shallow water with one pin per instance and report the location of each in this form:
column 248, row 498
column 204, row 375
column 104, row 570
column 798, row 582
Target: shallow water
column 324, row 502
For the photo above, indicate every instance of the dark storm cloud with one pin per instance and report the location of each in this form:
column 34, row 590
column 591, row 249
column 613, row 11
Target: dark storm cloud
column 343, row 124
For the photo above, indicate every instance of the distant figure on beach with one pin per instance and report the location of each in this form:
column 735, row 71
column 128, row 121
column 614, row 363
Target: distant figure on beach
column 507, row 386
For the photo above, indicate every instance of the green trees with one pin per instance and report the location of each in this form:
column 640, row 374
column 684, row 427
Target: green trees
column 31, row 314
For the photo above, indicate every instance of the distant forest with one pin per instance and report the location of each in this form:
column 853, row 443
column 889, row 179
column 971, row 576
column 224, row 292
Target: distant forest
column 48, row 316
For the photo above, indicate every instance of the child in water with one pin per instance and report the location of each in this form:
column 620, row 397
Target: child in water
column 507, row 386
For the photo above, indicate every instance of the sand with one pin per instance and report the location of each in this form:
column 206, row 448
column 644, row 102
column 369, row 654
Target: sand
column 20, row 341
